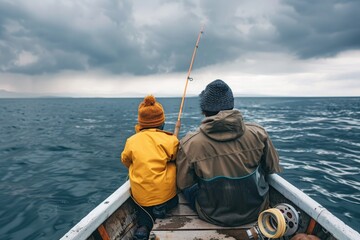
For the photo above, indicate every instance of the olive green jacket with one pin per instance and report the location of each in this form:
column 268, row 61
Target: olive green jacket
column 229, row 159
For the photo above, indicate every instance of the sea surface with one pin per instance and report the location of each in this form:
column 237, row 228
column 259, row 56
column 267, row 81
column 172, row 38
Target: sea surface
column 59, row 158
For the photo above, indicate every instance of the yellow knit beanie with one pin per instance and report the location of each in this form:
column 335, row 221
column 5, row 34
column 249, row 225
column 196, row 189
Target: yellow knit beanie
column 150, row 113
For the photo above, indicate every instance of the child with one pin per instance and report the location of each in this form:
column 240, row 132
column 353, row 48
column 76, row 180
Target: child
column 150, row 154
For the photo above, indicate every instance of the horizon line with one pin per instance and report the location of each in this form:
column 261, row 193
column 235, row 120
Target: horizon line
column 175, row 96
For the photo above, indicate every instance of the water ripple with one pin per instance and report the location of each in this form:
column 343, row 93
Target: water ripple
column 59, row 158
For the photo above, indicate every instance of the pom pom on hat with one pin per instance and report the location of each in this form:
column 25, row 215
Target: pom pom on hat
column 149, row 100
column 150, row 113
column 217, row 96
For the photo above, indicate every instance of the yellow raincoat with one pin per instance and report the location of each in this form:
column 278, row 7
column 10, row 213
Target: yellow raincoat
column 149, row 155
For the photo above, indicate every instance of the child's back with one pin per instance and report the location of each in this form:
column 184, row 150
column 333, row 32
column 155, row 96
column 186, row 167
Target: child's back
column 152, row 176
column 150, row 156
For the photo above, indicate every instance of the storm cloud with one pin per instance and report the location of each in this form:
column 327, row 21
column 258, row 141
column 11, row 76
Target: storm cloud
column 142, row 37
column 112, row 48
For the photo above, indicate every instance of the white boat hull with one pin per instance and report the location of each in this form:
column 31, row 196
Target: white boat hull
column 117, row 215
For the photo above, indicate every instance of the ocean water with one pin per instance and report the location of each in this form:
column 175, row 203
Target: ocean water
column 59, row 158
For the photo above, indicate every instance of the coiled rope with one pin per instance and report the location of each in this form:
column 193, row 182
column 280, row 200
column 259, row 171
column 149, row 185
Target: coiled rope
column 271, row 223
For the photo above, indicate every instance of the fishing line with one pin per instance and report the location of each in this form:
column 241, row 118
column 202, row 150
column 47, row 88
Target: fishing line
column 152, row 220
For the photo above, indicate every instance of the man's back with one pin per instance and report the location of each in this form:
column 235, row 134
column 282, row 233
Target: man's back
column 221, row 168
column 226, row 159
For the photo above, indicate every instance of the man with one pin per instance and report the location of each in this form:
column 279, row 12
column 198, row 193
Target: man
column 221, row 167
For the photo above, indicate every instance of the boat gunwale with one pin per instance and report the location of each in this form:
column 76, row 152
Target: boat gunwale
column 319, row 213
column 98, row 215
column 326, row 219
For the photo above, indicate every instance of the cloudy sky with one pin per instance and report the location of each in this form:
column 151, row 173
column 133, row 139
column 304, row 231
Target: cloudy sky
column 113, row 48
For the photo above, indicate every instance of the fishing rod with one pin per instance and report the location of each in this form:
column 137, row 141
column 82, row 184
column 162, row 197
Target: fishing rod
column 178, row 122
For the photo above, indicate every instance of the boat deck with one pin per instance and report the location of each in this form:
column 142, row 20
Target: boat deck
column 116, row 218
column 184, row 223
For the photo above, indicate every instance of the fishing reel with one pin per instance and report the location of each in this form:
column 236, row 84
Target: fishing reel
column 282, row 220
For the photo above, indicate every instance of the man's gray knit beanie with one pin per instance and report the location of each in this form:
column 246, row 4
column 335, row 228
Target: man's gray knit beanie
column 217, row 96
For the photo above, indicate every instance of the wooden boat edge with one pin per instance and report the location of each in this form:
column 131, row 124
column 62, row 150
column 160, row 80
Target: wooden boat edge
column 320, row 214
column 98, row 215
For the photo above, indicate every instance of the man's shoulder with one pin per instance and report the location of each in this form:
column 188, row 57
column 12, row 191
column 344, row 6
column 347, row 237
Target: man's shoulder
column 255, row 126
column 257, row 130
column 190, row 136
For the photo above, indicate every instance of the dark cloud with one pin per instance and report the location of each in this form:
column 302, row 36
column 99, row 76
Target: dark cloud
column 319, row 28
column 60, row 45
column 106, row 36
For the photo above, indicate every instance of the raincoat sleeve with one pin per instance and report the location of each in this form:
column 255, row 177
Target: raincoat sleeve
column 270, row 159
column 126, row 156
column 185, row 174
column 174, row 149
